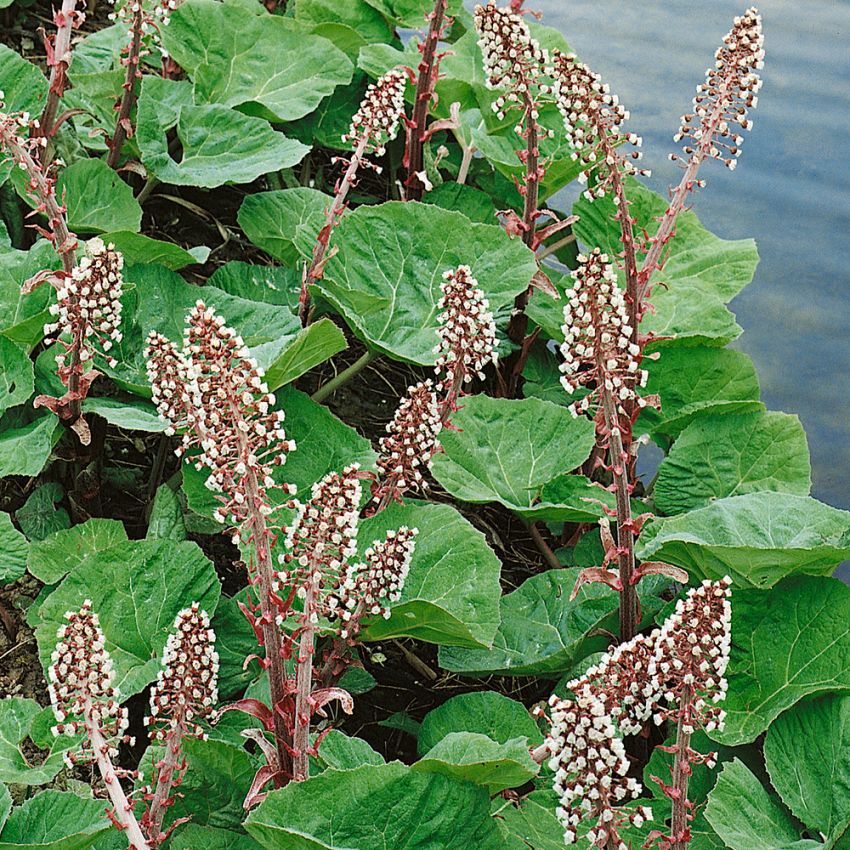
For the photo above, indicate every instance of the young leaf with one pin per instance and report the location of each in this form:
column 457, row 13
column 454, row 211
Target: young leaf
column 16, row 765
column 385, row 277
column 341, row 752
column 451, row 595
column 757, row 539
column 731, row 455
column 474, row 757
column 52, row 558
column 98, row 200
column 486, row 712
column 26, row 450
column 17, row 381
column 138, row 250
column 137, row 588
column 505, row 450
column 14, row 546
column 22, row 317
column 166, row 520
column 133, row 415
column 787, row 643
column 39, row 517
column 406, row 808
column 531, row 824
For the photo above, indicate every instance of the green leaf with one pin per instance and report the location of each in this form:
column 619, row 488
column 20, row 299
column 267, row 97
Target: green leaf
column 473, row 203
column 531, row 823
column 757, row 539
column 16, row 718
column 406, row 809
column 5, row 805
column 492, row 714
column 138, row 249
column 24, row 86
column 22, row 317
column 385, row 277
column 52, row 558
column 17, row 380
column 284, row 223
column 39, row 517
column 451, row 595
column 326, row 125
column 368, row 22
column 137, row 588
column 731, row 455
column 323, row 443
column 341, row 752
column 192, row 836
column 235, row 641
column 14, row 548
column 215, row 784
column 98, row 200
column 411, row 13
column 574, row 498
column 542, row 632
column 505, row 450
column 807, row 752
column 266, row 284
column 271, row 65
column 745, row 815
column 312, row 345
column 219, row 144
column 26, row 450
column 166, row 520
column 131, row 415
column 695, row 381
column 55, row 820
column 787, row 643
column 474, row 757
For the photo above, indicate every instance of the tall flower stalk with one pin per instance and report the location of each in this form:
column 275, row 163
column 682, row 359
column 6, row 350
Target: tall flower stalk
column 215, row 392
column 374, row 124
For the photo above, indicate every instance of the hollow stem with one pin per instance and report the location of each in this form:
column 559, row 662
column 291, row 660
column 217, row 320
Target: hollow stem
column 166, row 769
column 123, row 814
column 313, row 272
column 304, row 687
column 425, row 84
column 466, row 161
column 65, row 20
column 345, row 375
column 679, row 831
column 128, row 98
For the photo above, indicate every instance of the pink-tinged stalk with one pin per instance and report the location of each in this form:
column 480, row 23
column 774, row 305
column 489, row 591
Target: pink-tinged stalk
column 304, row 687
column 123, row 128
column 426, row 82
column 59, row 57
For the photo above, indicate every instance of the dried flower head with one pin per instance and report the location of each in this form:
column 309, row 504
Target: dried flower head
column 323, row 535
column 513, row 60
column 380, row 112
column 467, row 331
column 590, row 766
column 81, row 689
column 411, row 439
column 730, row 90
column 88, row 308
column 691, row 654
column 368, row 588
column 186, row 688
column 598, row 351
column 593, row 118
column 215, row 390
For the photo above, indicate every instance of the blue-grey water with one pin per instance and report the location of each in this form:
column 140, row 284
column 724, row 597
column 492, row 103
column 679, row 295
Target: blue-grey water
column 791, row 190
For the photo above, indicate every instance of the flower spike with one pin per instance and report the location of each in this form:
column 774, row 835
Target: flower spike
column 380, row 111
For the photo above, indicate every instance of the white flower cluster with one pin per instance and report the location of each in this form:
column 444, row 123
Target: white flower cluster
column 81, row 688
column 590, row 766
column 380, row 112
column 597, row 347
column 692, row 652
column 367, row 588
column 411, row 437
column 513, row 60
column 593, row 119
column 467, row 330
column 215, row 389
column 730, row 90
column 323, row 535
column 186, row 688
column 88, row 306
column 150, row 19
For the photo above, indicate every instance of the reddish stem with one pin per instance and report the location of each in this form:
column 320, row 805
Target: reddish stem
column 124, row 814
column 425, row 85
column 304, row 687
column 128, row 98
column 313, row 272
column 679, row 830
column 65, row 20
column 165, row 780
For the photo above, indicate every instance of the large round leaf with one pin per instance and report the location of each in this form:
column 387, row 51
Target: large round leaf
column 98, row 200
column 16, row 375
column 719, row 456
column 385, row 277
column 756, row 539
column 405, row 809
column 451, row 595
column 787, row 643
column 25, row 449
column 14, row 548
column 505, row 450
column 137, row 589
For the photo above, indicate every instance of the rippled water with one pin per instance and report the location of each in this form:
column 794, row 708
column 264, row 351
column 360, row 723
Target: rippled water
column 790, row 190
